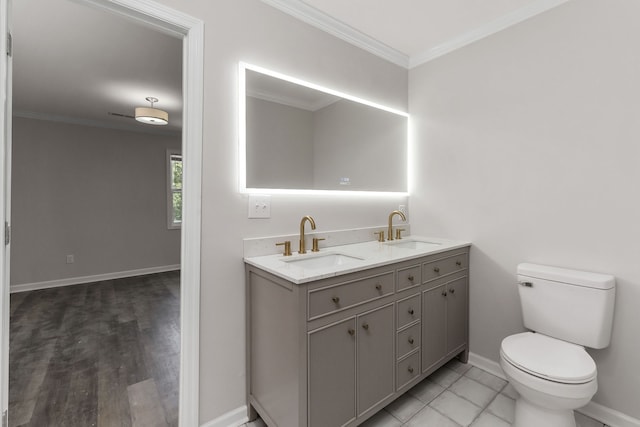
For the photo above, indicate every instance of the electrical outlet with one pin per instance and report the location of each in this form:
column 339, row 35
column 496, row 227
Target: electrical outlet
column 259, row 206
column 70, row 259
column 403, row 209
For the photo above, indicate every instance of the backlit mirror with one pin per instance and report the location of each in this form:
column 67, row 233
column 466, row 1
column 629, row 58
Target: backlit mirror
column 300, row 136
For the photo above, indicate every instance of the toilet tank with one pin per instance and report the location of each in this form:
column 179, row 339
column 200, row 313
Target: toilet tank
column 571, row 305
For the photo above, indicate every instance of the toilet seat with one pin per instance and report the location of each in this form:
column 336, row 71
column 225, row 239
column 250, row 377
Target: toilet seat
column 549, row 358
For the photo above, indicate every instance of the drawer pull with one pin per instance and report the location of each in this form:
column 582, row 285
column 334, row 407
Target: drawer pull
column 436, row 269
column 451, row 290
column 335, row 299
column 444, row 293
column 365, row 326
column 410, row 340
column 351, row 331
column 410, row 311
column 458, row 263
column 378, row 286
column 410, row 369
column 410, row 278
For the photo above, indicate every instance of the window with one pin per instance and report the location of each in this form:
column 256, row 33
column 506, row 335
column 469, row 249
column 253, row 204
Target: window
column 174, row 189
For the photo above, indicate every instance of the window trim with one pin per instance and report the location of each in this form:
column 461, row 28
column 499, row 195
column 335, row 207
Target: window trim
column 171, row 224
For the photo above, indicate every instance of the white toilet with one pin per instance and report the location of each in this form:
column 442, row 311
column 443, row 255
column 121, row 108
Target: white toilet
column 566, row 310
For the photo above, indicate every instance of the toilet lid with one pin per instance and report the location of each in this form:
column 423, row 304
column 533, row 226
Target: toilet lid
column 549, row 358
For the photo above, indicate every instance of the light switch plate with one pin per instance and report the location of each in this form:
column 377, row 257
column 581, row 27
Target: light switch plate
column 259, row 206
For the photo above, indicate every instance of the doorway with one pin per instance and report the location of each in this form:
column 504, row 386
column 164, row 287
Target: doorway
column 191, row 31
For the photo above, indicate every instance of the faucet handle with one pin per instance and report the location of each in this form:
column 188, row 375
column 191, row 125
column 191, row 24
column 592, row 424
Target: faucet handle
column 380, row 235
column 314, row 247
column 287, row 247
column 399, row 233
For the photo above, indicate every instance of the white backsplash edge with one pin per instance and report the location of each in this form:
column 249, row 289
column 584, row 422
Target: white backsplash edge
column 259, row 246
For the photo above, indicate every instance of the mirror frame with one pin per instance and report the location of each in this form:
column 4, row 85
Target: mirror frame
column 242, row 136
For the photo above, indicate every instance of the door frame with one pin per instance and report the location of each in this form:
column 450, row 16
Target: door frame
column 5, row 204
column 191, row 30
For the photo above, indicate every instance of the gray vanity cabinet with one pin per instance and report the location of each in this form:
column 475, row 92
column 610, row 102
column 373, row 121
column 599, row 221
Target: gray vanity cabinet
column 445, row 310
column 457, row 309
column 332, row 352
column 376, row 338
column 434, row 334
column 332, row 374
column 356, row 352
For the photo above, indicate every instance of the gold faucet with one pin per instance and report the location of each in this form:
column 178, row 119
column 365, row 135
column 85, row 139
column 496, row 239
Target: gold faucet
column 390, row 230
column 302, row 249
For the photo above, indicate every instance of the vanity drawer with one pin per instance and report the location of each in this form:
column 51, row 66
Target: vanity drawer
column 408, row 340
column 338, row 297
column 407, row 370
column 408, row 310
column 408, row 277
column 441, row 267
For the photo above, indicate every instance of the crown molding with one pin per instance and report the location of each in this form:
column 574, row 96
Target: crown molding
column 306, row 13
column 302, row 11
column 94, row 123
column 483, row 31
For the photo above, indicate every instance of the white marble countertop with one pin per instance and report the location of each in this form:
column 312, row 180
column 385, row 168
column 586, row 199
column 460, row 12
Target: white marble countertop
column 360, row 256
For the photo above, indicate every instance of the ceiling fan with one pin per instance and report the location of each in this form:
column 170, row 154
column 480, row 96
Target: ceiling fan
column 147, row 115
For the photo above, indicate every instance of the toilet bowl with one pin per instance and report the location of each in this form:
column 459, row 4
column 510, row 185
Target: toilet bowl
column 550, row 368
column 552, row 377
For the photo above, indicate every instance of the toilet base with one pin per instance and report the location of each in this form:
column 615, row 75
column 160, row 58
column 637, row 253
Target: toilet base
column 530, row 415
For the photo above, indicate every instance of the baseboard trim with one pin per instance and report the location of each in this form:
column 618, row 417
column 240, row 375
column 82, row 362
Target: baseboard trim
column 594, row 410
column 486, row 365
column 234, row 418
column 609, row 416
column 24, row 287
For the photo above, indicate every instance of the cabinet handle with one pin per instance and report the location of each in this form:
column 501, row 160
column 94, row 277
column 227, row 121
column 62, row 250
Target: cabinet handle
column 365, row 326
column 436, row 269
column 410, row 340
column 378, row 286
column 411, row 311
column 410, row 278
column 458, row 263
column 410, row 369
column 444, row 293
column 451, row 290
column 351, row 331
column 335, row 299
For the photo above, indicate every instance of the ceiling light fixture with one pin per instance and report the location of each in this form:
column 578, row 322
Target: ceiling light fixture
column 152, row 116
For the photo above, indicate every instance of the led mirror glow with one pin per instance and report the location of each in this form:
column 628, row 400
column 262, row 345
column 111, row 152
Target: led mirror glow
column 300, row 138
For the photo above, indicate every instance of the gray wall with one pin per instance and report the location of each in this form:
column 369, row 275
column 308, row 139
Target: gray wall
column 527, row 144
column 252, row 31
column 99, row 194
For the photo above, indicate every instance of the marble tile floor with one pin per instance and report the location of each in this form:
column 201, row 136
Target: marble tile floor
column 457, row 395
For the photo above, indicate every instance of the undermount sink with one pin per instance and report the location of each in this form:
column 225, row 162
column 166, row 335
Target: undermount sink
column 323, row 261
column 413, row 244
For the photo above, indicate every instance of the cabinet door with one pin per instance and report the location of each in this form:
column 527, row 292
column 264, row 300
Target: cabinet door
column 332, row 374
column 457, row 322
column 434, row 330
column 376, row 362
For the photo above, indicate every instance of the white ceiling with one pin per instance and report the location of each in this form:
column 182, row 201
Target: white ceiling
column 411, row 32
column 73, row 62
column 414, row 26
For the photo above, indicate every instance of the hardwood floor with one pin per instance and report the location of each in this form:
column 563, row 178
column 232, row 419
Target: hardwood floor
column 100, row 354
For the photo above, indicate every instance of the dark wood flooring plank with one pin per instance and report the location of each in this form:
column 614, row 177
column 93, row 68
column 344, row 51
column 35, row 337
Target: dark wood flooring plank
column 146, row 410
column 113, row 402
column 79, row 353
